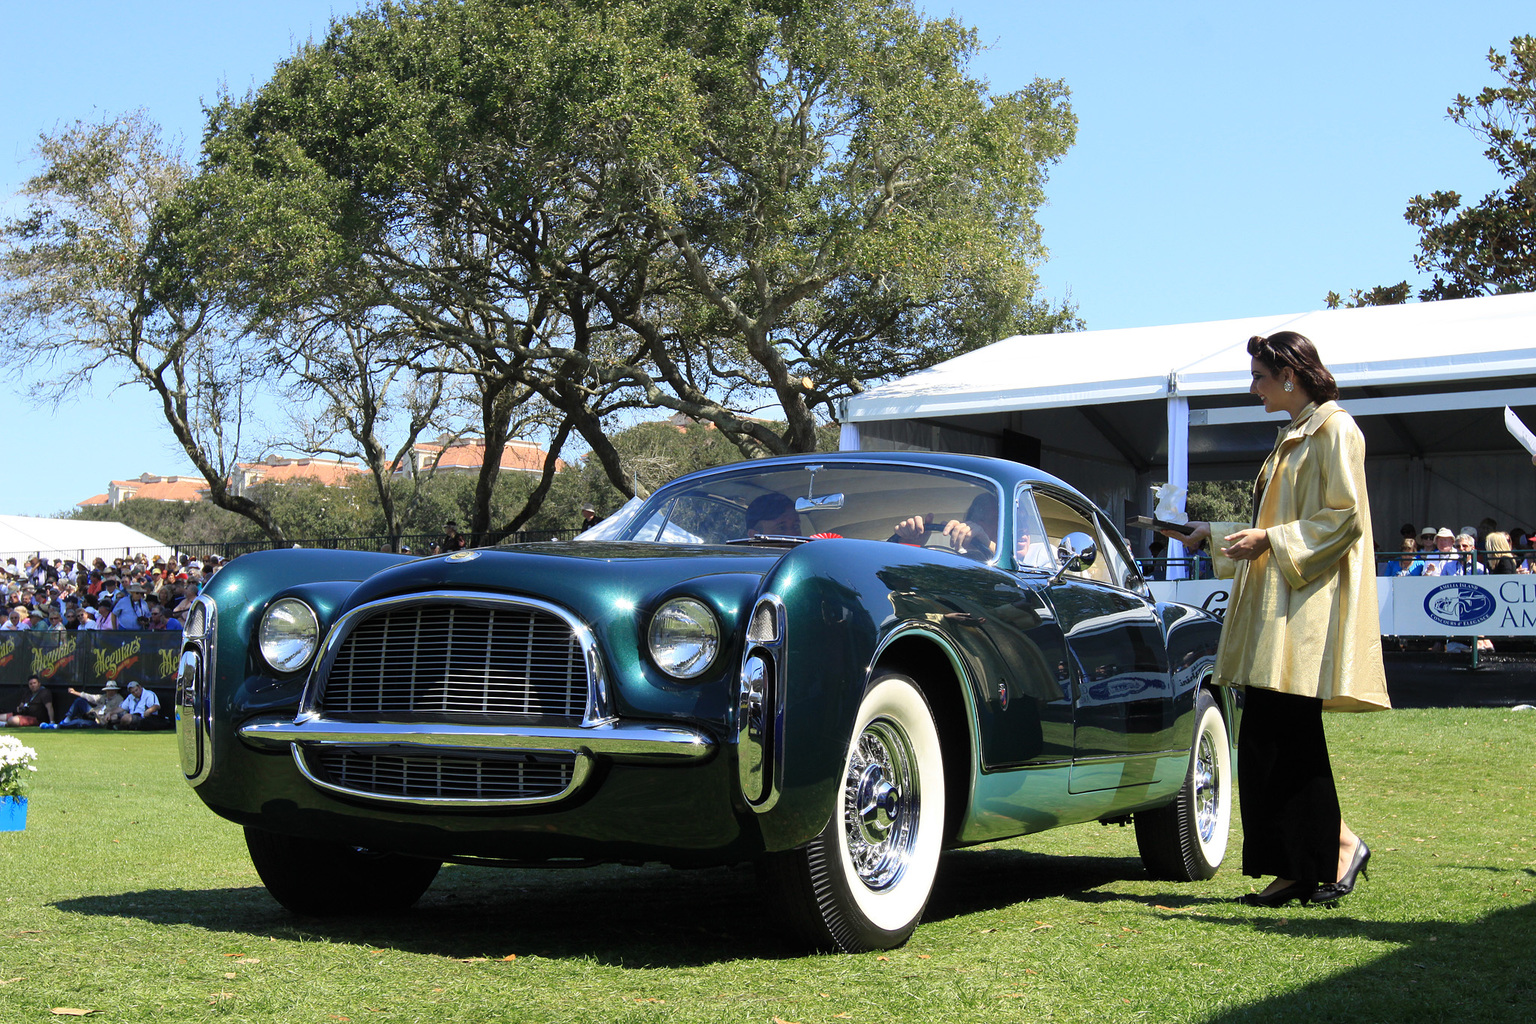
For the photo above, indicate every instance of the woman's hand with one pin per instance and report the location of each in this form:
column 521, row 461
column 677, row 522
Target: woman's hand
column 1246, row 545
column 1193, row 539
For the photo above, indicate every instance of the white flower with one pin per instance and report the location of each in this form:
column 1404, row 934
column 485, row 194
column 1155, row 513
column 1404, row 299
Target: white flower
column 15, row 758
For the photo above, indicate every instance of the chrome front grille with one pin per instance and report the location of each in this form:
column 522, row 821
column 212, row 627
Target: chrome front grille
column 462, row 660
column 445, row 777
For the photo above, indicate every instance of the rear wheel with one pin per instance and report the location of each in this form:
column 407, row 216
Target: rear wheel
column 1186, row 840
column 320, row 879
column 864, row 881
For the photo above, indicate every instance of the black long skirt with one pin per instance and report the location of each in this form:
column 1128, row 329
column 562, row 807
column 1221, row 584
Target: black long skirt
column 1285, row 783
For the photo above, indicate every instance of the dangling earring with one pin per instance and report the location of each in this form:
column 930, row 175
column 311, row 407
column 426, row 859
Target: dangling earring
column 1289, row 387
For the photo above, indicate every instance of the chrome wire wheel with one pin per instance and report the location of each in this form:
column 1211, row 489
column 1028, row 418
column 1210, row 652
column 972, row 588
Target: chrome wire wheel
column 1208, row 788
column 881, row 802
column 1186, row 840
column 863, row 882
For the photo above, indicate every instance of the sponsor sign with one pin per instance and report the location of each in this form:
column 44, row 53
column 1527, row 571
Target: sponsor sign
column 1464, row 606
column 88, row 660
column 1411, row 605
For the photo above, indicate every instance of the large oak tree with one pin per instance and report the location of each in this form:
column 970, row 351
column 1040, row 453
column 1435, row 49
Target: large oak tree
column 706, row 207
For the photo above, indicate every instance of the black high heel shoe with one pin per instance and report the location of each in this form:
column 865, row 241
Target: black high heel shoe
column 1357, row 869
column 1306, row 892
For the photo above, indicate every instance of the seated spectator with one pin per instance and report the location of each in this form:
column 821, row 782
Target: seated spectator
column 1436, row 562
column 1406, row 564
column 140, row 710
column 35, row 707
column 1426, row 540
column 1465, row 562
column 93, row 710
column 1500, row 561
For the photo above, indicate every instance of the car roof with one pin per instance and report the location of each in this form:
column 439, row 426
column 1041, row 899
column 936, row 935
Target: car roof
column 1004, row 471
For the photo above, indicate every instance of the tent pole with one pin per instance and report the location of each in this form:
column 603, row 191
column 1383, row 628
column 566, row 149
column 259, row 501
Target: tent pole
column 1178, row 465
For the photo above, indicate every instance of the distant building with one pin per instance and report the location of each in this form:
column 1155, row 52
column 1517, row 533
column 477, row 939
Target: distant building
column 276, row 469
column 466, row 455
column 153, row 488
column 247, row 475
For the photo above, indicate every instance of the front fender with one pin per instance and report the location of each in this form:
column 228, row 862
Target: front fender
column 839, row 613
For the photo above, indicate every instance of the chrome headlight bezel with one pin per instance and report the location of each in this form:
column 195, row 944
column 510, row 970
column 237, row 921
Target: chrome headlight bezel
column 684, row 637
column 288, row 634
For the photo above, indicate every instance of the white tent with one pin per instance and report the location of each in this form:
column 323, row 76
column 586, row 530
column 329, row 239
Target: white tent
column 21, row 537
column 1115, row 411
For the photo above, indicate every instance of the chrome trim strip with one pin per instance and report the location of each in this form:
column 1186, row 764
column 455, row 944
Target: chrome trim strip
column 1124, row 758
column 762, row 792
column 194, row 710
column 630, row 742
column 579, row 773
column 599, row 709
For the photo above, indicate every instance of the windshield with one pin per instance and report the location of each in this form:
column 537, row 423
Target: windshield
column 866, row 502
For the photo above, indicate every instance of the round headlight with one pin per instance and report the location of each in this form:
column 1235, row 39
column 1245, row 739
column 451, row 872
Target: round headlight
column 684, row 637
column 288, row 634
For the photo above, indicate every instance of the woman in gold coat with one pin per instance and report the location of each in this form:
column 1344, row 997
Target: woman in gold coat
column 1301, row 633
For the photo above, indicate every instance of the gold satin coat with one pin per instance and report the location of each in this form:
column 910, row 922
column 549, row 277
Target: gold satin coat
column 1303, row 616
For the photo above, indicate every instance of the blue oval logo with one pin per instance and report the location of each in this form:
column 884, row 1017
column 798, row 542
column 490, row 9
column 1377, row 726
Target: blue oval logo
column 463, row 556
column 1459, row 604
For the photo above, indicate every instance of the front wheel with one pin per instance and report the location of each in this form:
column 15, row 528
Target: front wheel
column 320, row 879
column 864, row 881
column 1186, row 840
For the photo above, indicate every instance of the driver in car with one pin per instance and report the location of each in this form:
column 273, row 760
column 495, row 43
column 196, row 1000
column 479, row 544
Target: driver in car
column 975, row 535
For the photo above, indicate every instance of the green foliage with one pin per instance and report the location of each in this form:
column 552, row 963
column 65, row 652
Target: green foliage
column 1220, row 501
column 1487, row 248
column 694, row 205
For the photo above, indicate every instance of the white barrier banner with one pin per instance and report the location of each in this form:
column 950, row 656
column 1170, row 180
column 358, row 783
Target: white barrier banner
column 1411, row 605
column 1463, row 605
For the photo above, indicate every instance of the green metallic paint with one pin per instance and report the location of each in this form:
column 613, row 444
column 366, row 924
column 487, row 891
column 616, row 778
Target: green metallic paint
column 847, row 605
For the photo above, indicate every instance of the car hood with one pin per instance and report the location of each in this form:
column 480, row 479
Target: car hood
column 583, row 577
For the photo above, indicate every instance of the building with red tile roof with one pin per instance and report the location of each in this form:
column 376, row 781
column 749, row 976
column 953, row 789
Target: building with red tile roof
column 276, row 469
column 467, row 455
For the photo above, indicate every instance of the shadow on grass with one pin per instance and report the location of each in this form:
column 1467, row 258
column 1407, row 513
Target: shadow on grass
column 622, row 916
column 1439, row 970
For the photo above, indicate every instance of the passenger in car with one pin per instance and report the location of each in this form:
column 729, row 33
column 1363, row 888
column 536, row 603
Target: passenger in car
column 772, row 515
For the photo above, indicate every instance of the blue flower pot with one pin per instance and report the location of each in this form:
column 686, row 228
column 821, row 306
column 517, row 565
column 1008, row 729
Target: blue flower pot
column 13, row 813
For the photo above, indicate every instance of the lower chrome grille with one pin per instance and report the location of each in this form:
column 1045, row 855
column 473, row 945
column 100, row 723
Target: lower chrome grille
column 464, row 660
column 450, row 777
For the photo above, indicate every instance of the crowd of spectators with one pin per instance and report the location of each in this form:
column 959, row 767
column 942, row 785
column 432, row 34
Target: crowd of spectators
column 137, row 593
column 1470, row 551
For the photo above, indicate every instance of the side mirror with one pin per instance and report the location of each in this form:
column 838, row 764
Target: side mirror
column 1076, row 552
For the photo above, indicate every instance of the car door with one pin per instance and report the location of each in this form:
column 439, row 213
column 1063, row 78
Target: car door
column 1123, row 714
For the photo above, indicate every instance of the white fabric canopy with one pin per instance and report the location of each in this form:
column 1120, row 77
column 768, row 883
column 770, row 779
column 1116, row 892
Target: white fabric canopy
column 1455, row 340
column 1117, row 411
column 22, row 537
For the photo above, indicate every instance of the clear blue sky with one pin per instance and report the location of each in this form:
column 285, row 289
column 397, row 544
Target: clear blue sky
column 1232, row 159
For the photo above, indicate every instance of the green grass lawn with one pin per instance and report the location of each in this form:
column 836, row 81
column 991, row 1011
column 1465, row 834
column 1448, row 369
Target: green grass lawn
column 125, row 896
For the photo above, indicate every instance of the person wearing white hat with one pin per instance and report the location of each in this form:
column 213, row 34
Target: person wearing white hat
column 92, row 710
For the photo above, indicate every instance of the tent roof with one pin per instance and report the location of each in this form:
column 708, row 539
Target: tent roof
column 24, row 536
column 1454, row 340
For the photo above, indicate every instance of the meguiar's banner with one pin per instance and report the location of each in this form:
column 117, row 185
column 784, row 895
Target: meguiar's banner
column 87, row 659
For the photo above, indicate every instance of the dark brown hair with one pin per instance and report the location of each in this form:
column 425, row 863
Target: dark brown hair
column 1289, row 349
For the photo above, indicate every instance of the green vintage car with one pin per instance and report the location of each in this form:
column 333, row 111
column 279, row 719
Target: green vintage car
column 834, row 666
